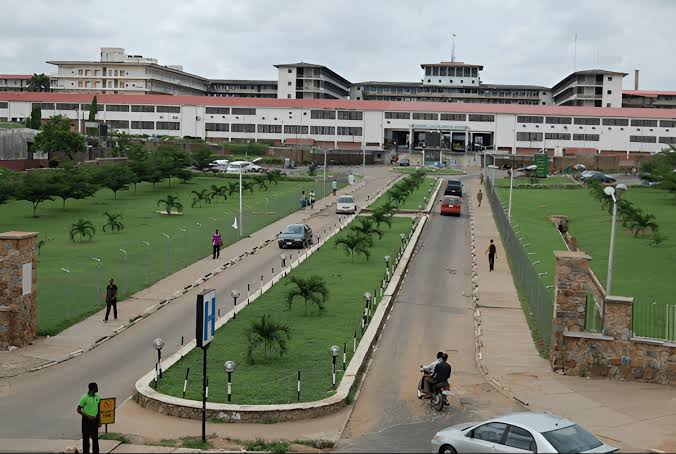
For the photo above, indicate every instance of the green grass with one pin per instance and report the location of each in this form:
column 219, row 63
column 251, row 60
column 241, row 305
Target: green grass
column 273, row 380
column 11, row 125
column 195, row 443
column 114, row 436
column 549, row 181
column 429, row 171
column 640, row 270
column 414, row 199
column 279, row 447
column 146, row 265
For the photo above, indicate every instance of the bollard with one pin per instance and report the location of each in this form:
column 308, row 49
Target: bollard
column 298, row 386
column 185, row 383
column 344, row 355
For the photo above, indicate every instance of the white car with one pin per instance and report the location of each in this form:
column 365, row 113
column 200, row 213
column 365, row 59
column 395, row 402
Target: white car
column 219, row 165
column 243, row 166
column 346, row 205
column 519, row 432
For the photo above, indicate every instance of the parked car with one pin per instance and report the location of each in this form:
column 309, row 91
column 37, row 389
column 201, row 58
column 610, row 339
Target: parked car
column 450, row 204
column 593, row 175
column 346, row 205
column 519, row 432
column 219, row 165
column 243, row 166
column 295, row 235
column 453, row 187
column 439, row 164
column 405, row 162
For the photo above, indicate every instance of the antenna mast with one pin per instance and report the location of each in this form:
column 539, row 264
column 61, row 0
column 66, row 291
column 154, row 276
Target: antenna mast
column 453, row 47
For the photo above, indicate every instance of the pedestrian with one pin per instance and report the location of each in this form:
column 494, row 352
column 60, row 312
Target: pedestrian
column 303, row 200
column 334, row 185
column 479, row 196
column 481, row 178
column 216, row 242
column 492, row 251
column 111, row 299
column 88, row 407
column 313, row 199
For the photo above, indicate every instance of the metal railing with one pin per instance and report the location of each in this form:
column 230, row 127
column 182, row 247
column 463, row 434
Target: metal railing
column 654, row 320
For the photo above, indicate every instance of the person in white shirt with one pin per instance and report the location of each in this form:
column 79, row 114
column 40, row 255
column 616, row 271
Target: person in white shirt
column 429, row 369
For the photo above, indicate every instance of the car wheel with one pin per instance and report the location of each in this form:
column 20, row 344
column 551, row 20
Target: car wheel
column 447, row 449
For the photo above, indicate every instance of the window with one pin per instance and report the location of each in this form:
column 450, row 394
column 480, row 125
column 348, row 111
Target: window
column 295, row 129
column 289, row 83
column 289, row 71
column 323, row 130
column 491, row 432
column 615, row 122
column 520, row 439
column 643, row 139
column 586, row 137
column 667, row 123
column 557, row 136
column 558, row 120
column 45, row 105
column 350, row 115
column 587, row 121
column 65, row 106
column 453, row 117
column 5, row 105
column 242, row 127
column 524, row 119
column 668, row 140
column 269, row 129
column 529, row 136
column 609, row 92
column 118, row 124
column 348, row 131
column 117, row 108
column 168, row 109
column 169, row 125
column 243, row 111
column 571, row 439
column 142, row 124
column 218, row 110
column 137, row 108
column 425, row 116
column 428, row 71
column 398, row 115
column 323, row 114
column 610, row 78
column 221, row 127
column 647, row 123
column 79, row 72
column 480, row 117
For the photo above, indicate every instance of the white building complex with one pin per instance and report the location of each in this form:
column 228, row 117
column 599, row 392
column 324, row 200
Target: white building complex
column 352, row 124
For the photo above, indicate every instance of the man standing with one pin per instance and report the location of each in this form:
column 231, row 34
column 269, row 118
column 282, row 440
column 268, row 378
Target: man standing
column 479, row 196
column 89, row 409
column 313, row 199
column 492, row 251
column 334, row 186
column 111, row 299
column 216, row 242
column 303, row 200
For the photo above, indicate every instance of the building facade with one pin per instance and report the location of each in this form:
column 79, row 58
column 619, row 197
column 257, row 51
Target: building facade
column 14, row 82
column 308, row 81
column 231, row 88
column 357, row 124
column 592, row 88
column 649, row 98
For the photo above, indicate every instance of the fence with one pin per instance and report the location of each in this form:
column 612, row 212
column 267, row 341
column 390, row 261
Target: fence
column 530, row 287
column 593, row 322
column 654, row 320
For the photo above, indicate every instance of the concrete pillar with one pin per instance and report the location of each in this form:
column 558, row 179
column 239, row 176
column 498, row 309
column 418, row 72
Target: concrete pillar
column 466, row 140
column 617, row 317
column 18, row 282
column 410, row 138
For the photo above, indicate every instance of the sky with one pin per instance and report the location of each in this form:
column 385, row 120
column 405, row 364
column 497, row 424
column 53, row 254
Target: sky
column 517, row 41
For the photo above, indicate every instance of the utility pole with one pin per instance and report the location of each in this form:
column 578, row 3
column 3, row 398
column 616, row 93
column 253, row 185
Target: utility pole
column 453, row 47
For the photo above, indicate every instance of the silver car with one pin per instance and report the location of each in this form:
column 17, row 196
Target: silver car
column 519, row 432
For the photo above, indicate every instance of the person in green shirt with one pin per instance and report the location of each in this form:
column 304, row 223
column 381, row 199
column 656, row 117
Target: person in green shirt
column 89, row 409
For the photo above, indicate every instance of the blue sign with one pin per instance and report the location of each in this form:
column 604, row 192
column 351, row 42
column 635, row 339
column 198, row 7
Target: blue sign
column 205, row 318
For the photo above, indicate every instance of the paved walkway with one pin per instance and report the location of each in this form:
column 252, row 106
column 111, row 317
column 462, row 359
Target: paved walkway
column 627, row 415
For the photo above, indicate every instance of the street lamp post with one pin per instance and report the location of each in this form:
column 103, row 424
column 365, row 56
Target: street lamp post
column 612, row 192
column 335, row 350
column 229, row 367
column 125, row 259
column 387, row 264
column 98, row 284
column 493, row 167
column 368, row 297
column 67, row 271
column 511, row 184
column 235, row 295
column 147, row 267
column 158, row 344
column 241, row 220
column 167, row 266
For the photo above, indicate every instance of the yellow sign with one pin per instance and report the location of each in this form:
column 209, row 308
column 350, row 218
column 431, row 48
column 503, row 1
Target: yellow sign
column 107, row 410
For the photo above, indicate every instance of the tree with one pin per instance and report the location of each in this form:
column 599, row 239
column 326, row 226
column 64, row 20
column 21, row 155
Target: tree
column 383, row 214
column 7, row 185
column 169, row 161
column 312, row 289
column 397, row 195
column 56, row 136
column 116, row 177
column 39, row 82
column 201, row 156
column 660, row 169
column 261, row 182
column 136, row 151
column 219, row 191
column 93, row 109
column 368, row 227
column 35, row 120
column 170, row 202
column 247, row 185
column 356, row 243
column 233, row 188
column 141, row 170
column 74, row 183
column 274, row 176
column 82, row 228
column 184, row 175
column 35, row 187
column 271, row 334
column 114, row 221
column 641, row 222
column 201, row 196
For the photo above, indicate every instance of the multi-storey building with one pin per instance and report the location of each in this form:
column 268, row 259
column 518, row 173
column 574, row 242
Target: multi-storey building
column 308, row 81
column 231, row 88
column 649, row 98
column 14, row 82
column 592, row 88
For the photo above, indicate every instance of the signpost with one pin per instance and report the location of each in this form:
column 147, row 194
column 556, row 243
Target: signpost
column 541, row 162
column 107, row 411
column 205, row 328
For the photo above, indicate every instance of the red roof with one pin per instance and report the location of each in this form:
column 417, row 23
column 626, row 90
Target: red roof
column 518, row 109
column 649, row 93
column 15, row 76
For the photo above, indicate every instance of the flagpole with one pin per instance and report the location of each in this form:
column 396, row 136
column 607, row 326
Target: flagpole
column 241, row 223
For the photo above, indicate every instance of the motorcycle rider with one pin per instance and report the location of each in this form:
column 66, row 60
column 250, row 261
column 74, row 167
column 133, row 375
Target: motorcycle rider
column 442, row 372
column 429, row 369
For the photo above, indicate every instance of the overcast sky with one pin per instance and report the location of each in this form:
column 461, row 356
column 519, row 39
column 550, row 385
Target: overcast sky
column 517, row 41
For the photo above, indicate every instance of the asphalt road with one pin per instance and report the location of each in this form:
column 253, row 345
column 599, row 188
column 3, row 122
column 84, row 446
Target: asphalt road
column 433, row 311
column 42, row 404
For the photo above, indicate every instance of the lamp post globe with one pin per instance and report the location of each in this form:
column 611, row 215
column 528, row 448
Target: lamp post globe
column 158, row 344
column 229, row 366
column 235, row 294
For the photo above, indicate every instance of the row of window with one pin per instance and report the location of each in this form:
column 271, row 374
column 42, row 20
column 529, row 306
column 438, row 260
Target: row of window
column 108, row 107
column 148, row 125
column 537, row 137
column 595, row 121
column 492, row 92
column 340, row 114
column 444, row 71
column 435, row 116
column 288, row 129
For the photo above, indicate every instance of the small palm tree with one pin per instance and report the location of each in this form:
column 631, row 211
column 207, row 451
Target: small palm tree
column 383, row 214
column 201, row 196
column 640, row 223
column 248, row 185
column 356, row 243
column 114, row 221
column 82, row 228
column 170, row 202
column 260, row 181
column 313, row 289
column 368, row 227
column 397, row 195
column 233, row 188
column 274, row 176
column 271, row 334
column 219, row 191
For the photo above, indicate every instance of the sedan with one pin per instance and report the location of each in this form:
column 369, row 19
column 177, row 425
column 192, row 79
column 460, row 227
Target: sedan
column 295, row 235
column 405, row 162
column 346, row 205
column 519, row 432
column 450, row 205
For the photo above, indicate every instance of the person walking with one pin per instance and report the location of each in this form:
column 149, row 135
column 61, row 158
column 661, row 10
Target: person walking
column 334, row 186
column 313, row 199
column 492, row 252
column 111, row 299
column 481, row 178
column 479, row 196
column 88, row 407
column 303, row 200
column 216, row 242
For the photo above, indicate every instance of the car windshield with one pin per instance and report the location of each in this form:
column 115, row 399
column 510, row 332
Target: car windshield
column 451, row 200
column 345, row 200
column 294, row 229
column 571, row 439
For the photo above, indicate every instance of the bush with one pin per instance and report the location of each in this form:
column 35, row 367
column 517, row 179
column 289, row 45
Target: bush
column 256, row 149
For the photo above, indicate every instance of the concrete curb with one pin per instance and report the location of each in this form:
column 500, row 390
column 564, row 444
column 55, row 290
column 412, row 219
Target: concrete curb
column 148, row 397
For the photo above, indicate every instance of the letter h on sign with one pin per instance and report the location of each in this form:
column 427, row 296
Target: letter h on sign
column 205, row 320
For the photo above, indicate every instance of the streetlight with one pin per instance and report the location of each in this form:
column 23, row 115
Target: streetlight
column 368, row 297
column 335, row 350
column 158, row 344
column 126, row 265
column 168, row 251
column 511, row 184
column 283, row 257
column 67, row 271
column 229, row 367
column 235, row 295
column 611, row 192
column 98, row 285
column 493, row 166
column 387, row 263
column 147, row 260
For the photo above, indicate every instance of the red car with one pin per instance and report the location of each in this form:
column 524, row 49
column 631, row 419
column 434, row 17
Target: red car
column 451, row 205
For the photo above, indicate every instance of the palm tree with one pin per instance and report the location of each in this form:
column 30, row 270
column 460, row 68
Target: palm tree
column 355, row 243
column 170, row 202
column 248, row 185
column 114, row 221
column 219, row 191
column 274, row 176
column 642, row 222
column 233, row 187
column 201, row 196
column 269, row 333
column 383, row 214
column 82, row 228
column 260, row 181
column 312, row 289
column 367, row 226
column 397, row 195
column 39, row 82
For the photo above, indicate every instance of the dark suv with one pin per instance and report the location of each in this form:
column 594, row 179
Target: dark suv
column 453, row 187
column 295, row 235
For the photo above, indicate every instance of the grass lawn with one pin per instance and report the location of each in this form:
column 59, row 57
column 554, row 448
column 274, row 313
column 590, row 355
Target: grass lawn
column 640, row 270
column 414, row 199
column 273, row 380
column 145, row 264
column 429, row 170
column 549, row 181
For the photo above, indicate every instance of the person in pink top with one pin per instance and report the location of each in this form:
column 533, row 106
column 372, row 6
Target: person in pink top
column 216, row 242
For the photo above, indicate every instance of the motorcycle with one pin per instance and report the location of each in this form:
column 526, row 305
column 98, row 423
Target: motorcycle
column 437, row 396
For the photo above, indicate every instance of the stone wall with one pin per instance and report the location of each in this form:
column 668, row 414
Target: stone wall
column 18, row 282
